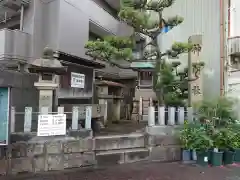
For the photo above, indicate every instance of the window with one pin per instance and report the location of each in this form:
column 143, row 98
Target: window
column 145, row 78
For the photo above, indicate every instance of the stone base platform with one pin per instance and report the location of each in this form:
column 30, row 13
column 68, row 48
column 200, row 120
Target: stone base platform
column 31, row 154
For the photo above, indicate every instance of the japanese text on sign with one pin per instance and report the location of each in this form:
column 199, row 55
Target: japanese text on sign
column 51, row 125
column 77, row 80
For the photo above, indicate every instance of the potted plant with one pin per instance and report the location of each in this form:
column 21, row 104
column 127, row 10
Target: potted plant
column 224, row 143
column 236, row 148
column 202, row 144
column 235, row 144
column 185, row 140
column 231, row 144
column 216, row 154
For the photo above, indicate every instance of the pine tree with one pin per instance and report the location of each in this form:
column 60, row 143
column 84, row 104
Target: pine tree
column 145, row 16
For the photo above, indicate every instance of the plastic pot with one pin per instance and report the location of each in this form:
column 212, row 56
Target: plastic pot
column 202, row 158
column 194, row 155
column 228, row 157
column 237, row 156
column 210, row 156
column 186, row 155
column 216, row 158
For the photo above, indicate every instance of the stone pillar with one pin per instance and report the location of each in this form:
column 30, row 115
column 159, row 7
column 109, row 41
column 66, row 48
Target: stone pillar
column 46, row 94
column 117, row 110
column 195, row 87
column 140, row 113
column 151, row 116
column 105, row 103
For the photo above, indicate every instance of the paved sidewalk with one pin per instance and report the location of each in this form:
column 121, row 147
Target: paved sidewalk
column 142, row 171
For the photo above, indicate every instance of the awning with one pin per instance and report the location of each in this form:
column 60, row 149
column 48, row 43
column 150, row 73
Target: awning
column 80, row 61
column 143, row 65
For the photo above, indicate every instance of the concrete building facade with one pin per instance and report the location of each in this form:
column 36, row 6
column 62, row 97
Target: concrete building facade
column 209, row 19
column 233, row 88
column 65, row 26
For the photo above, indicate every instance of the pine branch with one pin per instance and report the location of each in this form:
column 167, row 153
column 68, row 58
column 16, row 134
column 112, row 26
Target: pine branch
column 103, row 56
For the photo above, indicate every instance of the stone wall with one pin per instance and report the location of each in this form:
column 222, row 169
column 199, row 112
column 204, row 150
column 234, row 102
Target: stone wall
column 164, row 148
column 38, row 154
column 51, row 155
column 163, row 144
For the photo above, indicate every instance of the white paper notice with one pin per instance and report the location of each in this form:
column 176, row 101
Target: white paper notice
column 51, row 125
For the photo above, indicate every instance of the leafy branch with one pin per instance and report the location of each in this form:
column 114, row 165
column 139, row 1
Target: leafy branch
column 145, row 16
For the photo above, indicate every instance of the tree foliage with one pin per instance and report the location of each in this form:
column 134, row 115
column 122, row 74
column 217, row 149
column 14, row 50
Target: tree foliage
column 145, row 16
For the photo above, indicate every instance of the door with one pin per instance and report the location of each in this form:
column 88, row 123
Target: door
column 4, row 114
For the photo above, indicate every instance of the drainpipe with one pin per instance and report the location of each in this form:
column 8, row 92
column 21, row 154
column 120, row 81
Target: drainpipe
column 229, row 17
column 222, row 49
column 21, row 19
column 228, row 59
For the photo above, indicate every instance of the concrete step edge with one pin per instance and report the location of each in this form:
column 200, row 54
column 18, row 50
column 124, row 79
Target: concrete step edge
column 131, row 135
column 120, row 151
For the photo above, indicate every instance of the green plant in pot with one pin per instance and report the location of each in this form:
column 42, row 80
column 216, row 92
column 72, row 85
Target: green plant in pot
column 185, row 136
column 224, row 141
column 202, row 144
column 235, row 143
column 229, row 153
column 219, row 144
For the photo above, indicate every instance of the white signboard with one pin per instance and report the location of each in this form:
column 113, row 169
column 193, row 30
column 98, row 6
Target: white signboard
column 51, row 125
column 77, row 80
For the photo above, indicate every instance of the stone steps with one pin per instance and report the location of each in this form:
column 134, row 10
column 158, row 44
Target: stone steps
column 112, row 157
column 119, row 149
column 39, row 154
column 118, row 142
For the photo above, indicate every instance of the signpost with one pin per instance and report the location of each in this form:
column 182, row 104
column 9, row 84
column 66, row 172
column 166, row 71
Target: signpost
column 51, row 125
column 77, row 80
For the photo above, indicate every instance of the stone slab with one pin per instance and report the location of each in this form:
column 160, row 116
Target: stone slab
column 174, row 153
column 35, row 149
column 54, row 162
column 162, row 140
column 75, row 160
column 19, row 149
column 158, row 153
column 21, row 165
column 83, row 133
column 164, row 154
column 78, row 145
column 54, row 147
column 136, row 155
column 39, row 164
column 161, row 130
column 110, row 158
column 120, row 142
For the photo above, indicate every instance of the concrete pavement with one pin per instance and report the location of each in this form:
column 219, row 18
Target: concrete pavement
column 141, row 171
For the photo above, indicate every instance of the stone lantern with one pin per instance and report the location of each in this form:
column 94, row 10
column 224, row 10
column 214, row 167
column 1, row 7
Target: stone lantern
column 48, row 68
